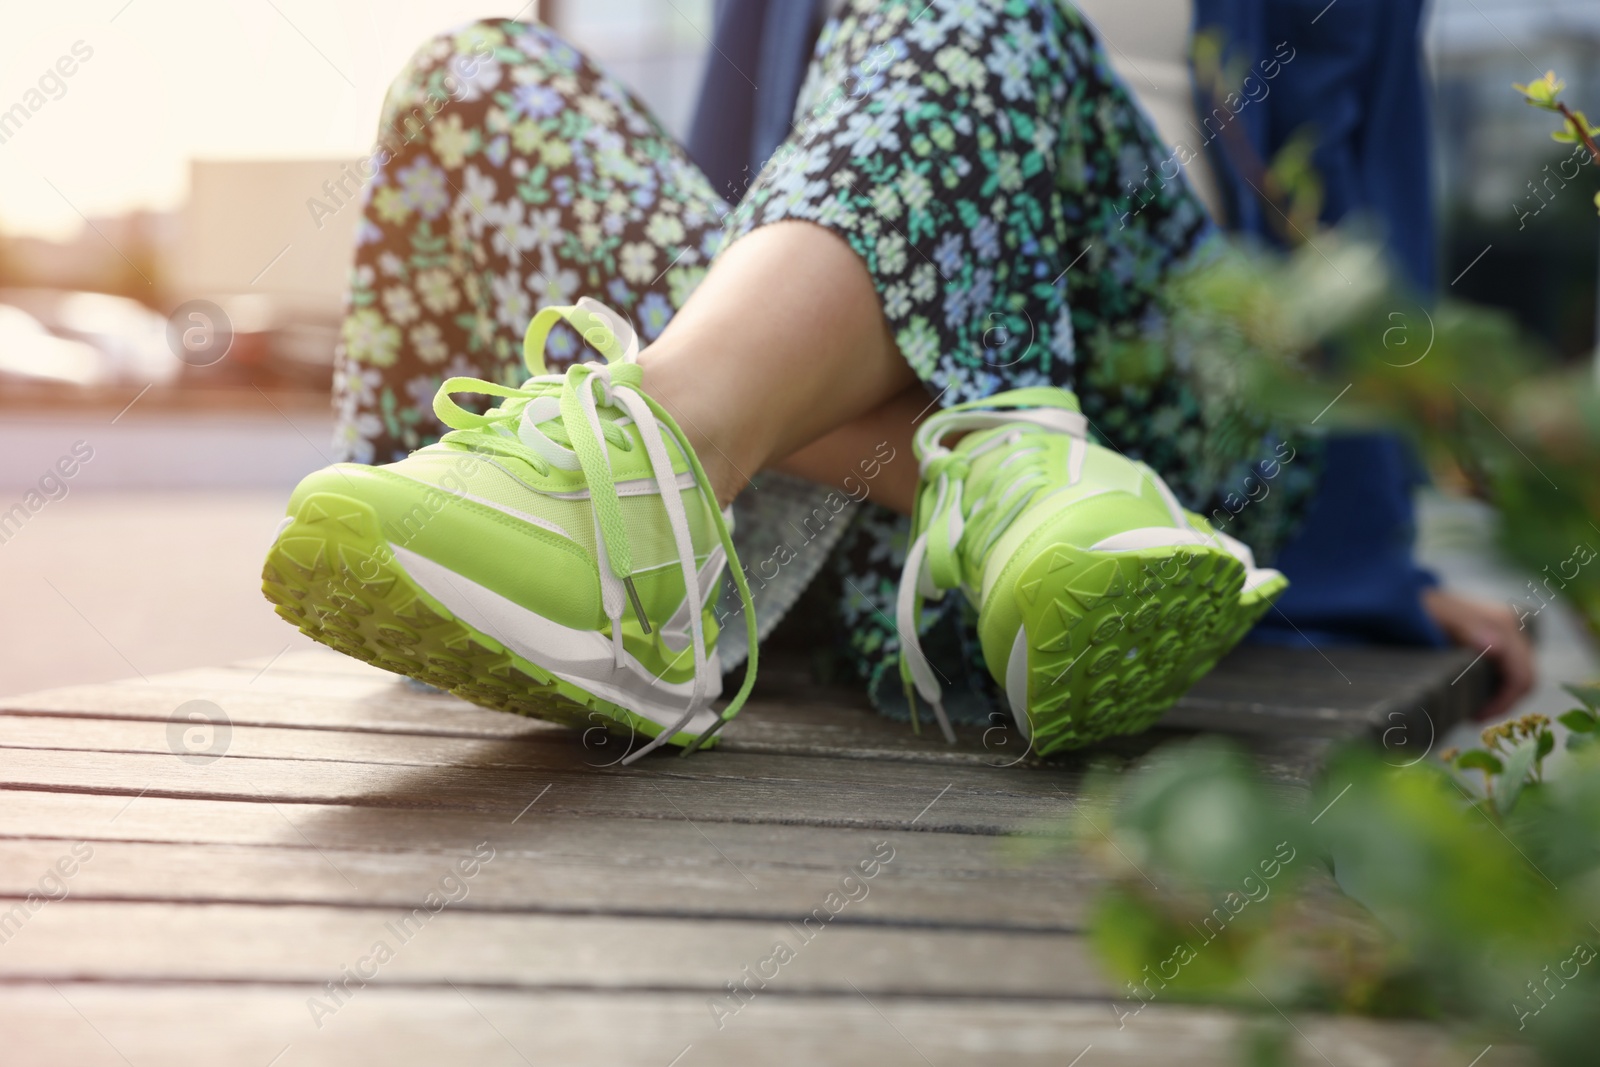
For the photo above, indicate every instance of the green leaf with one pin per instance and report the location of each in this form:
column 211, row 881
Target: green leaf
column 1579, row 721
column 1546, row 743
column 1476, row 759
column 1578, row 742
column 1588, row 695
column 1542, row 93
column 1518, row 764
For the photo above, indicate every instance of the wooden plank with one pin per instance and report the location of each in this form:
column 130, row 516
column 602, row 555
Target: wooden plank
column 1287, row 753
column 142, row 942
column 780, row 730
column 111, row 1025
column 808, row 730
column 1256, row 690
column 712, row 787
column 354, row 855
column 344, row 797
column 839, row 725
column 584, row 866
column 380, row 703
column 537, row 828
column 1275, row 735
column 275, row 743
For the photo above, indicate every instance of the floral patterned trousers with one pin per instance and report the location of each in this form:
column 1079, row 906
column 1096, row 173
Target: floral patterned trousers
column 980, row 157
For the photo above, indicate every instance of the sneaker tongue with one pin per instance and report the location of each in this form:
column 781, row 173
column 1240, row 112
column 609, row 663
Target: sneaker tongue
column 991, row 503
column 990, row 450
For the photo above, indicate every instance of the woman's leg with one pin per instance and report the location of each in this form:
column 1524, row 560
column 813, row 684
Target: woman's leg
column 514, row 175
column 511, row 174
column 1001, row 191
column 926, row 234
column 782, row 344
column 860, row 456
column 963, row 183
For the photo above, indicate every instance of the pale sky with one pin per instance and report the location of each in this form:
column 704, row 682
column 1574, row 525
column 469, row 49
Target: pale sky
column 170, row 80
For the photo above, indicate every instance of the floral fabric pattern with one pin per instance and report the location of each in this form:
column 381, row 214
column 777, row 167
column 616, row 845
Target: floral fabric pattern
column 980, row 157
column 522, row 176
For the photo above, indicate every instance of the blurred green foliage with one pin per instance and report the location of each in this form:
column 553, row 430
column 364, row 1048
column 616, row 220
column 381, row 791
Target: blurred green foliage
column 1325, row 337
column 1391, row 891
column 1458, row 890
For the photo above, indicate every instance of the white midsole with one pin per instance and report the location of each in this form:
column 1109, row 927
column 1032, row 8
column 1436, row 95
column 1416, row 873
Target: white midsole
column 1017, row 683
column 583, row 657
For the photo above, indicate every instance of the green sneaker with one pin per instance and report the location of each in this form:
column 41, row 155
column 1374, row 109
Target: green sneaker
column 1100, row 600
column 557, row 557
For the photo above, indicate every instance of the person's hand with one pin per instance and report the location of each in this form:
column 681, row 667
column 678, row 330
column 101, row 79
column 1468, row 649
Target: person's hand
column 1492, row 628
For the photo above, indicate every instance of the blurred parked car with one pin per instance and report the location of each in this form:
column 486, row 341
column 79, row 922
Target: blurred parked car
column 277, row 343
column 30, row 352
column 66, row 337
column 126, row 342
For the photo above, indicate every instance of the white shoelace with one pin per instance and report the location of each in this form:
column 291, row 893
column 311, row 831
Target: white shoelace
column 550, row 400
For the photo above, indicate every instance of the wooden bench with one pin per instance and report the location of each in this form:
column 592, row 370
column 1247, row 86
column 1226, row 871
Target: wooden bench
column 538, row 904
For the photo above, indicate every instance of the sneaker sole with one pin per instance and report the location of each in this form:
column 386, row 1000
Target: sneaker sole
column 313, row 577
column 1253, row 606
column 1113, row 639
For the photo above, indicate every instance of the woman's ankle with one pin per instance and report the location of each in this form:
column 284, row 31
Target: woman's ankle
column 683, row 390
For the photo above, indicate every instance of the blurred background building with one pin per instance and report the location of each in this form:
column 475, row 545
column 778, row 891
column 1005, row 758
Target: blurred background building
column 240, row 233
column 232, row 226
